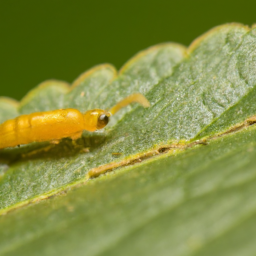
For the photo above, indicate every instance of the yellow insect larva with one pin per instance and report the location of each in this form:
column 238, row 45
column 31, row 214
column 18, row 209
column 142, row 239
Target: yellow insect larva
column 57, row 124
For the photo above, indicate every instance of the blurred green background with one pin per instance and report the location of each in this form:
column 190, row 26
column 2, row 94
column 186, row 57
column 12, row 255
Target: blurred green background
column 61, row 39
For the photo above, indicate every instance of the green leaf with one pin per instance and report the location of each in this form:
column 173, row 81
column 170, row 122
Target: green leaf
column 199, row 202
column 33, row 172
column 8, row 109
column 195, row 200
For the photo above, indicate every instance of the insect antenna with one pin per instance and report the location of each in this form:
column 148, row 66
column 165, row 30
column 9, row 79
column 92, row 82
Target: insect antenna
column 136, row 97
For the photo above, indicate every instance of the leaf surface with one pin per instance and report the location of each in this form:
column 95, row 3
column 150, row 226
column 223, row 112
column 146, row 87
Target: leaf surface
column 199, row 202
column 35, row 170
column 195, row 200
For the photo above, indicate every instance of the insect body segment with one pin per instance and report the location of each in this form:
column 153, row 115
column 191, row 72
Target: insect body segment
column 58, row 124
column 41, row 126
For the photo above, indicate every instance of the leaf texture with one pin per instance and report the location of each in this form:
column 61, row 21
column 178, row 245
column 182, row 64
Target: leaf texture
column 198, row 199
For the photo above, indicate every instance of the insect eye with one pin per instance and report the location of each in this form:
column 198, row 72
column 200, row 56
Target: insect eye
column 103, row 121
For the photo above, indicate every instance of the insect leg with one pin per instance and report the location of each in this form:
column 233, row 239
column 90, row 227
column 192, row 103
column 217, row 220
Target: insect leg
column 55, row 142
column 76, row 136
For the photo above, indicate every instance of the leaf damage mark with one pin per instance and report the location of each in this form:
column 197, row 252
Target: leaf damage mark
column 169, row 148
